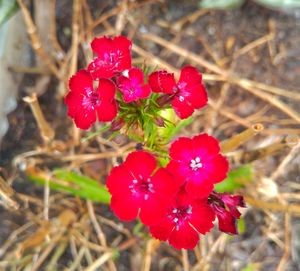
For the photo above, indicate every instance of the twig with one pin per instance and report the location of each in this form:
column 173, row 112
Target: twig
column 35, row 40
column 46, row 130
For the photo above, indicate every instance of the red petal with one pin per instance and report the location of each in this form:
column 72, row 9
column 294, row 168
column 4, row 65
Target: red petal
column 184, row 237
column 198, row 188
column 152, row 210
column 205, row 145
column 74, row 102
column 202, row 218
column 85, row 119
column 217, row 168
column 182, row 108
column 119, row 180
column 102, row 45
column 141, row 163
column 106, row 89
column 164, row 184
column 99, row 71
column 122, row 43
column 182, row 149
column 81, row 82
column 125, row 208
column 227, row 223
column 190, row 75
column 162, row 230
column 162, row 81
column 195, row 95
column 107, row 111
column 136, row 75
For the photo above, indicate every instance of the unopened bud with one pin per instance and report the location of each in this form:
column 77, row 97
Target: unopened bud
column 116, row 125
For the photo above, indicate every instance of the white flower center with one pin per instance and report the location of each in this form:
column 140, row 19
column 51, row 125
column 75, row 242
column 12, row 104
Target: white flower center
column 196, row 163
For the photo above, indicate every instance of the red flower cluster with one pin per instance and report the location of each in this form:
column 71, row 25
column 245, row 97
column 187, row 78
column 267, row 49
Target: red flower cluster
column 113, row 72
column 176, row 202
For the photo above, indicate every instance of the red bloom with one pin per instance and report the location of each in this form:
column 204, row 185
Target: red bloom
column 133, row 86
column 136, row 187
column 189, row 93
column 113, row 56
column 84, row 103
column 183, row 222
column 225, row 207
column 198, row 163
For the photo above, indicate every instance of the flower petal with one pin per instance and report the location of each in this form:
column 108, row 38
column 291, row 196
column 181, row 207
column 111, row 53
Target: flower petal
column 182, row 107
column 202, row 218
column 81, row 82
column 182, row 149
column 216, row 168
column 85, row 118
column 102, row 45
column 107, row 111
column 141, row 163
column 196, row 95
column 190, row 75
column 199, row 188
column 162, row 81
column 106, row 89
column 184, row 237
column 119, row 180
column 153, row 209
column 205, row 145
column 163, row 229
column 136, row 75
column 164, row 183
column 125, row 208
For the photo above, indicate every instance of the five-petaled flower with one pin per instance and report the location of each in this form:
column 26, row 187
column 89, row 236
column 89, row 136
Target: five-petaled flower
column 225, row 208
column 138, row 187
column 132, row 85
column 84, row 103
column 198, row 163
column 183, row 222
column 113, row 56
column 188, row 94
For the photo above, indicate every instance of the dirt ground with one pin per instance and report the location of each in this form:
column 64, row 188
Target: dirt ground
column 250, row 58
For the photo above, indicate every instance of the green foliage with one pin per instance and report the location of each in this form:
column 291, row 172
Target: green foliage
column 236, row 179
column 172, row 125
column 241, row 225
column 7, row 9
column 221, row 4
column 251, row 267
column 75, row 184
column 282, row 4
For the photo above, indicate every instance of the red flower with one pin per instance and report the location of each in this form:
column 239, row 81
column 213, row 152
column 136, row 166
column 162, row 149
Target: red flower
column 189, row 93
column 225, row 207
column 84, row 103
column 198, row 163
column 136, row 187
column 183, row 222
column 113, row 56
column 133, row 86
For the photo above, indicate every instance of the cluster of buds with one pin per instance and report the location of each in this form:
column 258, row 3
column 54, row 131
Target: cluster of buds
column 176, row 200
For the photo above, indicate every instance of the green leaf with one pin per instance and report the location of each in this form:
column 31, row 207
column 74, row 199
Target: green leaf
column 282, row 4
column 241, row 225
column 7, row 9
column 75, row 184
column 96, row 133
column 251, row 267
column 236, row 179
column 221, row 4
column 172, row 125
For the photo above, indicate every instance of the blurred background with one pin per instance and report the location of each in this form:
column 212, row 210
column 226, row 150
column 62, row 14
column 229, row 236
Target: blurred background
column 249, row 54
